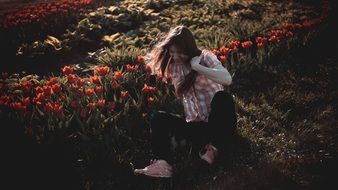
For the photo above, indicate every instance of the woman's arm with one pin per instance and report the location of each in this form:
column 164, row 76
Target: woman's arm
column 218, row 74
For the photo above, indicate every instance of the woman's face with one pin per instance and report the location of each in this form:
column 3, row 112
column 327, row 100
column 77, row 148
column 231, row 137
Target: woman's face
column 177, row 55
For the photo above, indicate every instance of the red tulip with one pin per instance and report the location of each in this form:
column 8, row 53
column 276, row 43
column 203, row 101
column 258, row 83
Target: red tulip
column 246, row 44
column 115, row 85
column 234, row 44
column 150, row 100
column 140, row 59
column 67, row 70
column 83, row 113
column 102, row 70
column 124, row 95
column 101, row 103
column 26, row 86
column 71, row 78
column 74, row 104
column 147, row 88
column 118, row 75
column 111, row 106
column 95, row 79
column 92, row 106
column 131, row 68
column 98, row 89
column 90, row 92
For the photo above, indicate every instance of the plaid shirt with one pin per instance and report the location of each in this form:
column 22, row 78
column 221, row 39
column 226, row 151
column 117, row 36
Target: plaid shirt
column 197, row 99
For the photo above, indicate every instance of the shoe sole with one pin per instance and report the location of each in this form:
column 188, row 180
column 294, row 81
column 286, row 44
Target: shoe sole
column 152, row 175
column 141, row 171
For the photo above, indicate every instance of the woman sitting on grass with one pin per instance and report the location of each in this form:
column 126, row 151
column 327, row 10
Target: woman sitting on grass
column 199, row 79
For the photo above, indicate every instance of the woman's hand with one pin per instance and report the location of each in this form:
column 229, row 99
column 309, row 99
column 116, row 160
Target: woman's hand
column 217, row 73
column 195, row 62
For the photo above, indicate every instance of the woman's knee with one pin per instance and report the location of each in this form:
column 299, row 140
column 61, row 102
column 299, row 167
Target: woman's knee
column 222, row 98
column 163, row 121
column 158, row 118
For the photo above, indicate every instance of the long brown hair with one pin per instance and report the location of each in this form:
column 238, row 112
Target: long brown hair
column 159, row 59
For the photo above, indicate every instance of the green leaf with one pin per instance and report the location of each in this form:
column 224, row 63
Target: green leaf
column 39, row 111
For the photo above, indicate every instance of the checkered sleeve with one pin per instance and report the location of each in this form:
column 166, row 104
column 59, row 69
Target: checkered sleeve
column 211, row 60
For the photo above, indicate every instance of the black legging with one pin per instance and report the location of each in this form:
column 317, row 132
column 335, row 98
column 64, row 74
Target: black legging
column 219, row 130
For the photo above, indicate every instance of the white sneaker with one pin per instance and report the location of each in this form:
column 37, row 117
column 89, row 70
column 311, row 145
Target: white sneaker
column 157, row 168
column 210, row 154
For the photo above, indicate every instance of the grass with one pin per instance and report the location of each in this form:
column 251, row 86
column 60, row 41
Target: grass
column 286, row 113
